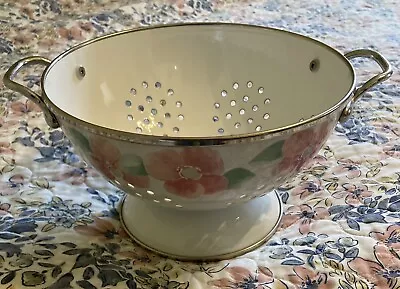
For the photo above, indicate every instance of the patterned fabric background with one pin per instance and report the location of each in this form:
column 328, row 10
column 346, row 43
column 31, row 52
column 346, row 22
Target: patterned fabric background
column 59, row 224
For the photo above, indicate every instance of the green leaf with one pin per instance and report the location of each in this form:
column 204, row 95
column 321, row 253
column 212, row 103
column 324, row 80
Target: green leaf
column 237, row 176
column 269, row 154
column 79, row 140
column 133, row 165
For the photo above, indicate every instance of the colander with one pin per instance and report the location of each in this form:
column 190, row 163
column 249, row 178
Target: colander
column 198, row 123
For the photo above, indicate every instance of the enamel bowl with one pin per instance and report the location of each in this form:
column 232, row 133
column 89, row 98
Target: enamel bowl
column 198, row 124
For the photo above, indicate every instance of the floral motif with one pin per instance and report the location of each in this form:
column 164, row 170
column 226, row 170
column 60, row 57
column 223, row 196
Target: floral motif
column 352, row 194
column 390, row 238
column 303, row 214
column 104, row 156
column 392, row 149
column 107, row 159
column 101, row 228
column 307, row 188
column 75, row 176
column 189, row 173
column 306, row 278
column 241, row 277
column 384, row 273
column 301, row 146
column 347, row 167
column 13, row 185
column 141, row 257
column 343, row 243
column 20, row 108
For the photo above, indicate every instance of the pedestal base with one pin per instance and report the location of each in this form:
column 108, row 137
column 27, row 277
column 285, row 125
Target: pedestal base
column 202, row 235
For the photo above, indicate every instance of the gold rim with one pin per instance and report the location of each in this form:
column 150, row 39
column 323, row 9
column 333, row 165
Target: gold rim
column 206, row 258
column 194, row 141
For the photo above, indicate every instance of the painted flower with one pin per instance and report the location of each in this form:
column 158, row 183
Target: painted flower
column 304, row 278
column 23, row 107
column 390, row 238
column 106, row 158
column 13, row 185
column 352, row 194
column 301, row 147
column 348, row 168
column 241, row 277
column 189, row 173
column 384, row 273
column 307, row 188
column 102, row 228
column 6, row 149
column 303, row 214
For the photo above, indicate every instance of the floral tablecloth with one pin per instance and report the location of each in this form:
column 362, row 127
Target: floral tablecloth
column 59, row 223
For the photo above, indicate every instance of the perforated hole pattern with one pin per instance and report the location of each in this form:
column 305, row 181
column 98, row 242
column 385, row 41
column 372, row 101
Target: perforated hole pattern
column 240, row 111
column 235, row 105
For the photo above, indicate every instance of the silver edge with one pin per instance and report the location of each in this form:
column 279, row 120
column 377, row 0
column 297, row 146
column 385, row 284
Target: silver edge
column 190, row 141
column 207, row 258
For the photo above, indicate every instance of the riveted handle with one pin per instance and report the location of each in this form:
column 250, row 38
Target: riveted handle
column 376, row 79
column 27, row 92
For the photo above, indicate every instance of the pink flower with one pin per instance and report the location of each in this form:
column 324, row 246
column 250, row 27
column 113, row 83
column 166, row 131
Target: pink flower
column 241, row 277
column 347, row 167
column 308, row 188
column 12, row 186
column 353, row 195
column 102, row 228
column 20, row 108
column 305, row 214
column 189, row 173
column 305, row 278
column 105, row 157
column 6, row 149
column 302, row 146
column 75, row 176
column 390, row 238
column 385, row 273
column 392, row 149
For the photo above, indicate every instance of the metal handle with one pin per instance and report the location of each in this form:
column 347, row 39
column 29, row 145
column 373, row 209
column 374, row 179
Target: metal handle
column 11, row 84
column 380, row 77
